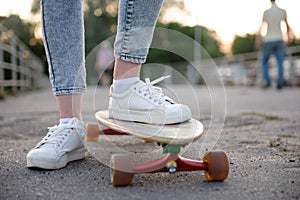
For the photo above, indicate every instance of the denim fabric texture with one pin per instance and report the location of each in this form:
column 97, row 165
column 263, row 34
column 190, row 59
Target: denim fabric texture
column 64, row 43
column 278, row 49
column 136, row 22
column 63, row 33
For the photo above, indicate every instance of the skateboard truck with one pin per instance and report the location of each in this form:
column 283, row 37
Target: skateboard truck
column 173, row 149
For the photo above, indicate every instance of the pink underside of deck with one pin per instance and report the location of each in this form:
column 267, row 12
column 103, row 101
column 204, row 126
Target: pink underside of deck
column 159, row 165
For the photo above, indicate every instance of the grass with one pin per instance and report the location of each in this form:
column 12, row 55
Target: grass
column 285, row 135
column 281, row 142
column 3, row 94
column 263, row 115
column 272, row 144
column 283, row 149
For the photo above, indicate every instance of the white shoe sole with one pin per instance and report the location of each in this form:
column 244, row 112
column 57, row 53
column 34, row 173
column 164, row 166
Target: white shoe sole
column 45, row 163
column 150, row 117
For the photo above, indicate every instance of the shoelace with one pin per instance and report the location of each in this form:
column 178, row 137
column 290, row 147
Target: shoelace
column 154, row 93
column 57, row 134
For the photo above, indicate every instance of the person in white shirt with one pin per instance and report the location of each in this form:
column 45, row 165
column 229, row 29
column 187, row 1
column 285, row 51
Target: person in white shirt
column 273, row 42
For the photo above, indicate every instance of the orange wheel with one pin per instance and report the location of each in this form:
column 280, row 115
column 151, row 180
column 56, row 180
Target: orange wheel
column 121, row 170
column 92, row 132
column 148, row 141
column 218, row 166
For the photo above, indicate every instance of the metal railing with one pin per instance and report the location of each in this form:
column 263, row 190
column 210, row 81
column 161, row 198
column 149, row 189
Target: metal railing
column 20, row 69
column 247, row 67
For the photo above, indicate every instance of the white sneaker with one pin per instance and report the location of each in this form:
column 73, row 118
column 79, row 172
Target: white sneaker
column 62, row 144
column 144, row 102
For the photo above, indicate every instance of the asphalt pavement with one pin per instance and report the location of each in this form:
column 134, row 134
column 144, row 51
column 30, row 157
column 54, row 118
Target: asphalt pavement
column 258, row 129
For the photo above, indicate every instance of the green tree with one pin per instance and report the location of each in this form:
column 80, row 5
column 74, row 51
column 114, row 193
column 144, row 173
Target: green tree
column 243, row 44
column 100, row 19
column 209, row 42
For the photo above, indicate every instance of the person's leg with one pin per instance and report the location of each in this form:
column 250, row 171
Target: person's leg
column 70, row 106
column 280, row 54
column 63, row 39
column 265, row 66
column 132, row 99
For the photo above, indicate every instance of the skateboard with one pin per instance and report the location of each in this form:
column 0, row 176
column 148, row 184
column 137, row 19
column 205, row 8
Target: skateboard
column 172, row 138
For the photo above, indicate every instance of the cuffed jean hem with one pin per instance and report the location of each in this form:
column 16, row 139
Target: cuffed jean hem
column 68, row 91
column 130, row 58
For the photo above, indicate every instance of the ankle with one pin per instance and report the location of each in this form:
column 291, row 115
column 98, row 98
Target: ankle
column 124, row 69
column 122, row 85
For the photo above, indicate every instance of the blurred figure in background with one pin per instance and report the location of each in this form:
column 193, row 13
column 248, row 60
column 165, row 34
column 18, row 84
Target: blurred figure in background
column 273, row 42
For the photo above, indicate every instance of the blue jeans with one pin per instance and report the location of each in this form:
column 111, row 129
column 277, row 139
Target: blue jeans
column 278, row 49
column 63, row 35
